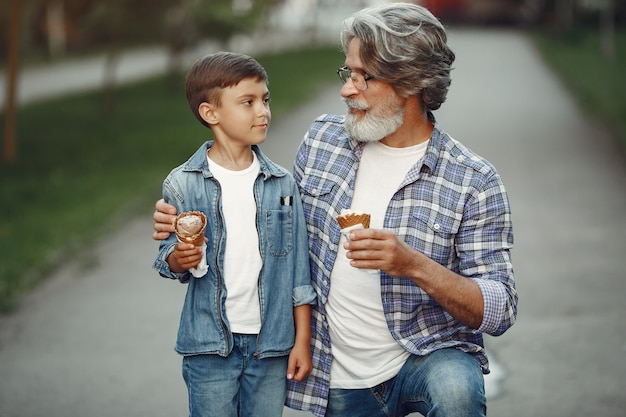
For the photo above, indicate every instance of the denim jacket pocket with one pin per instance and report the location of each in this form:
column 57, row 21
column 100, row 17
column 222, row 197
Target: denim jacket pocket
column 279, row 228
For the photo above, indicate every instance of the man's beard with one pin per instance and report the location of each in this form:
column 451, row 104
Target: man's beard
column 372, row 127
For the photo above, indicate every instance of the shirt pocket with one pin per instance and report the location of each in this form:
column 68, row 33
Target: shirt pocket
column 436, row 233
column 279, row 229
column 316, row 192
column 322, row 200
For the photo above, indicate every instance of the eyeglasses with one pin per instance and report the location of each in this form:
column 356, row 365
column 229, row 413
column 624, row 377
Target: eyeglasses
column 359, row 80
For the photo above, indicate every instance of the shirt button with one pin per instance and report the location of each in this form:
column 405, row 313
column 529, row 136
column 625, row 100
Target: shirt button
column 325, row 282
column 460, row 158
column 436, row 226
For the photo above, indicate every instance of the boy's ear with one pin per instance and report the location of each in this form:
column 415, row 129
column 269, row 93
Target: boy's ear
column 208, row 113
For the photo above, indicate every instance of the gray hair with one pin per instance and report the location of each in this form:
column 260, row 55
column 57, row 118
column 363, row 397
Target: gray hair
column 405, row 45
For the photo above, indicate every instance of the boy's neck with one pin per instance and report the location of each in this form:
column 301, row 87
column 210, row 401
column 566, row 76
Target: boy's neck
column 233, row 158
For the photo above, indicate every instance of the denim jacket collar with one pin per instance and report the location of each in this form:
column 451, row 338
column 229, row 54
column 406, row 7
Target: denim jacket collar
column 198, row 162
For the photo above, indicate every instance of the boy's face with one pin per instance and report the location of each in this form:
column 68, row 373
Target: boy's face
column 243, row 116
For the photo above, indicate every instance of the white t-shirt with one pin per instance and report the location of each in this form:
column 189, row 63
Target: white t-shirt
column 242, row 259
column 364, row 352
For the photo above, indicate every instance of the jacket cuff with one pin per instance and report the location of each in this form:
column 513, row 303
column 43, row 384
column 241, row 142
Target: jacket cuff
column 302, row 295
column 163, row 268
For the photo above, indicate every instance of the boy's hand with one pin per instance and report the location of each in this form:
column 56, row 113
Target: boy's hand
column 300, row 364
column 185, row 256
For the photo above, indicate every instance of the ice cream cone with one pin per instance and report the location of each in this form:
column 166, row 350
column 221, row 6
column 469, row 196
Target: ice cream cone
column 350, row 218
column 190, row 227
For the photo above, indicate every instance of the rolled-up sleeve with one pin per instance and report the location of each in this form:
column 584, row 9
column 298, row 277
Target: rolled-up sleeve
column 304, row 294
column 499, row 312
column 486, row 240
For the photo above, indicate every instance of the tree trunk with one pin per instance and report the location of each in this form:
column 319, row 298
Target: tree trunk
column 564, row 17
column 607, row 30
column 55, row 22
column 110, row 82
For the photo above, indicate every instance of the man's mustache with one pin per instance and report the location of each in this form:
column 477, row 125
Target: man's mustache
column 355, row 104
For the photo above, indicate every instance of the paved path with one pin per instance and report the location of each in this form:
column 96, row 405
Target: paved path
column 79, row 75
column 96, row 339
column 567, row 185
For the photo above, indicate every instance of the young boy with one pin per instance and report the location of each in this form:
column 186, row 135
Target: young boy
column 245, row 324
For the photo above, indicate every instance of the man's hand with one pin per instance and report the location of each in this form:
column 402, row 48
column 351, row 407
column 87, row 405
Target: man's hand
column 381, row 249
column 163, row 216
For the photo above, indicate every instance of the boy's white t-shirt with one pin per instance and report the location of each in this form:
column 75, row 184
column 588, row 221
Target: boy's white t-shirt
column 242, row 259
column 364, row 352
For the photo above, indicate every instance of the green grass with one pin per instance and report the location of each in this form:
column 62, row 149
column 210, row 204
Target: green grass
column 79, row 173
column 598, row 83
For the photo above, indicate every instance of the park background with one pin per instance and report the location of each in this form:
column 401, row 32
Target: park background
column 79, row 163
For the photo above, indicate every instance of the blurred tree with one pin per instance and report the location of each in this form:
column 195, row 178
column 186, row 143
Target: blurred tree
column 60, row 27
column 9, row 148
column 109, row 20
column 221, row 19
column 607, row 29
column 55, row 24
column 119, row 23
column 564, row 16
column 188, row 22
column 180, row 34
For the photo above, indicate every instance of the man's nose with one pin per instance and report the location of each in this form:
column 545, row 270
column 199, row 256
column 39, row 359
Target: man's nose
column 349, row 89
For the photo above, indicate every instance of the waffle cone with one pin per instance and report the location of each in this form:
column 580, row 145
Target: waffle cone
column 197, row 236
column 347, row 220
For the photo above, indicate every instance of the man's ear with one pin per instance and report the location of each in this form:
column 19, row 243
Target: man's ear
column 208, row 113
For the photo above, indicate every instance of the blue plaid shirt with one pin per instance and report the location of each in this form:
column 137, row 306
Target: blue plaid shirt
column 451, row 206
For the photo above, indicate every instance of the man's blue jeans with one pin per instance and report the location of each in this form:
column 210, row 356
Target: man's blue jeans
column 238, row 385
column 445, row 383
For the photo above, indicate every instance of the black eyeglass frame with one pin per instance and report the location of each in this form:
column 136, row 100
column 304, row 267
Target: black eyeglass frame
column 345, row 74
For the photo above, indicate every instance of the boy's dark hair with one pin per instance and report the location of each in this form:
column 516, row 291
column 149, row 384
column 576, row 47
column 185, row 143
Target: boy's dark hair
column 209, row 75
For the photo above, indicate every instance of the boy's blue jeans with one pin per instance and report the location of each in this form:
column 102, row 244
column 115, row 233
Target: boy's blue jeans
column 445, row 383
column 238, row 385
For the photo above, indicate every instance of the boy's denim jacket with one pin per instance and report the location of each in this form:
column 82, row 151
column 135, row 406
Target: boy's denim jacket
column 284, row 281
